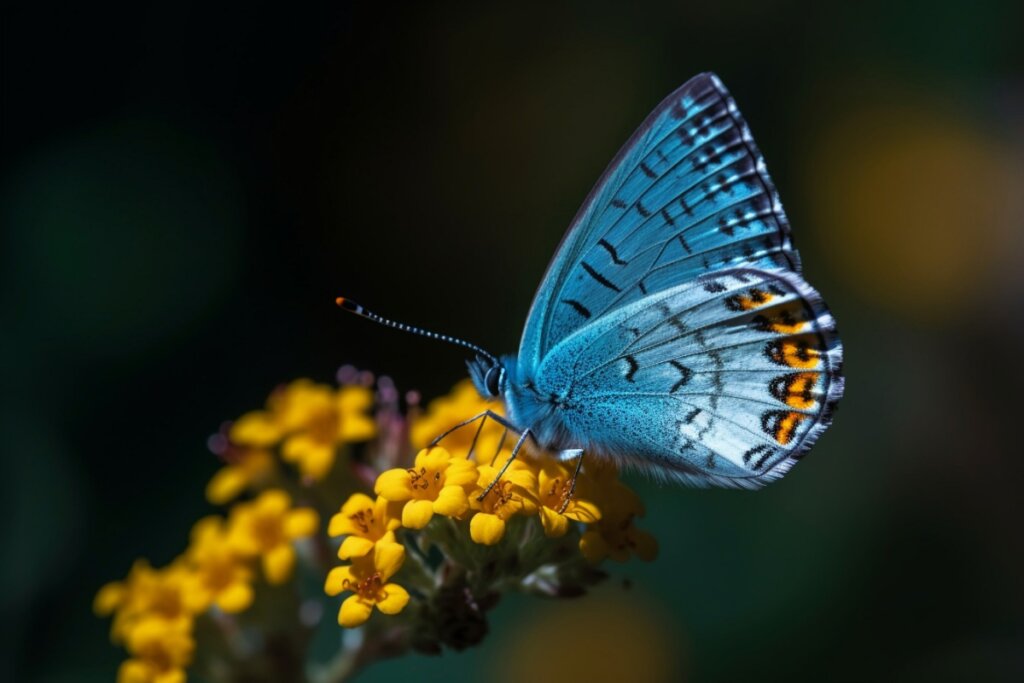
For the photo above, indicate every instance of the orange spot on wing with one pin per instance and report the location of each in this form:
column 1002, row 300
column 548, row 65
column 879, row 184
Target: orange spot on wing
column 796, row 390
column 787, row 427
column 754, row 298
column 782, row 425
column 802, row 352
column 789, row 319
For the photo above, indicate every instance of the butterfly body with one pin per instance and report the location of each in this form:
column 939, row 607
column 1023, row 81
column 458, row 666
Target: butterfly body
column 673, row 330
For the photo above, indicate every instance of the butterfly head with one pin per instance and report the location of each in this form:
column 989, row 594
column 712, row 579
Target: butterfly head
column 488, row 375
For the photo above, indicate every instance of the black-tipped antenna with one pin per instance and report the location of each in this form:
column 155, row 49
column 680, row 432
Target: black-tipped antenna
column 353, row 307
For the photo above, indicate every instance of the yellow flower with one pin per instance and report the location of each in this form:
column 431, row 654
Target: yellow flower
column 436, row 483
column 445, row 412
column 160, row 651
column 553, row 487
column 266, row 527
column 146, row 592
column 110, row 598
column 615, row 535
column 249, row 467
column 319, row 419
column 367, row 578
column 514, row 494
column 364, row 522
column 219, row 575
column 264, row 428
column 312, row 420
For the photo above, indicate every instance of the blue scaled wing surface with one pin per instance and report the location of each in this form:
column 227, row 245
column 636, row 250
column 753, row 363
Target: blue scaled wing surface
column 674, row 314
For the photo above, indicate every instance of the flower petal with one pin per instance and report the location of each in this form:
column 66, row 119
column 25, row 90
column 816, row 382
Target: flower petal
column 258, row 428
column 486, row 529
column 301, row 522
column 340, row 524
column 295, row 447
column 226, row 484
column 435, row 458
column 451, row 501
column 171, row 676
column 593, row 546
column 274, row 500
column 354, row 611
column 388, row 558
column 315, row 459
column 336, row 579
column 355, row 546
column 644, row 545
column 356, row 428
column 461, row 473
column 278, row 563
column 356, row 503
column 522, row 476
column 555, row 525
column 394, row 485
column 417, row 513
column 395, row 599
column 135, row 671
column 109, row 598
column 235, row 598
column 583, row 511
column 354, row 399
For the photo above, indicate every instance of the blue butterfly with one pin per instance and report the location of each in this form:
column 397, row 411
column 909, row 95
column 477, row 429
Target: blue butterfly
column 673, row 330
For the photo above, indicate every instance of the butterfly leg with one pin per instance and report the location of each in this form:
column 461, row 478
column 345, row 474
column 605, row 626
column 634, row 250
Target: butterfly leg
column 484, row 415
column 472, row 444
column 523, row 436
column 501, row 444
column 437, row 439
column 565, row 456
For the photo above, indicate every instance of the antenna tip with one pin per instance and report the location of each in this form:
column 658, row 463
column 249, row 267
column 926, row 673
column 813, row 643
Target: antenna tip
column 348, row 305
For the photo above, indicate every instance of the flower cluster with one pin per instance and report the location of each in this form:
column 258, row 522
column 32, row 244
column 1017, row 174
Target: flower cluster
column 430, row 536
column 154, row 610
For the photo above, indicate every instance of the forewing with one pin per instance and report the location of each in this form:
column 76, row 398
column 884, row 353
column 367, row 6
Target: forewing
column 724, row 381
column 686, row 195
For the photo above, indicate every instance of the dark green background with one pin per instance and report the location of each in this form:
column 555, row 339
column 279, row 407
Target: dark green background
column 186, row 187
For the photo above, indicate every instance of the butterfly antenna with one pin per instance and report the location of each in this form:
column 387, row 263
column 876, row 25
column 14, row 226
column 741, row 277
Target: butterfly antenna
column 353, row 307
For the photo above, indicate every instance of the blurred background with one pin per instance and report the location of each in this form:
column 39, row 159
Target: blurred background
column 186, row 187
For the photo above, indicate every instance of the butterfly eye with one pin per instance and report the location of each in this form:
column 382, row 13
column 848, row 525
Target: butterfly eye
column 492, row 380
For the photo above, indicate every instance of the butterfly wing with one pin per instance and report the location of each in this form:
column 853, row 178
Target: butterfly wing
column 687, row 194
column 725, row 381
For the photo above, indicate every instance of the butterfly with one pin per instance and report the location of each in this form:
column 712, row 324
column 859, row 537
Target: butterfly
column 673, row 330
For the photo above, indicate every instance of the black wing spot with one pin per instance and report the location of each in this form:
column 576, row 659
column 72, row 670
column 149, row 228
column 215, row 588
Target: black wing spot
column 612, row 252
column 580, row 308
column 667, row 217
column 601, row 279
column 618, row 204
column 642, row 210
column 725, row 227
column 647, row 170
column 692, row 415
column 684, row 136
column 685, row 374
column 685, row 245
column 764, row 451
column 714, row 287
column 686, row 207
column 643, row 288
column 633, row 367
